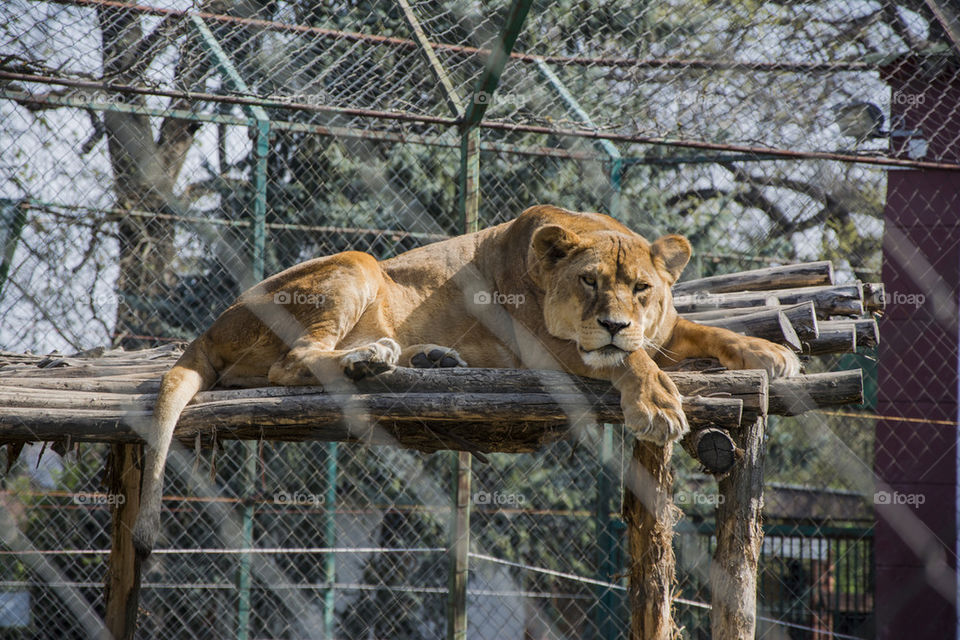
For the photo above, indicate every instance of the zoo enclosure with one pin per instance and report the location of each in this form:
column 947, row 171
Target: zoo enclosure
column 315, row 129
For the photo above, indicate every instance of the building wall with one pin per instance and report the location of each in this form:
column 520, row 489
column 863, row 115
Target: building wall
column 916, row 459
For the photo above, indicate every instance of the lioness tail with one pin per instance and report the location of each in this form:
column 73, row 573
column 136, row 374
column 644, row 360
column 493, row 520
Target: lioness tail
column 191, row 374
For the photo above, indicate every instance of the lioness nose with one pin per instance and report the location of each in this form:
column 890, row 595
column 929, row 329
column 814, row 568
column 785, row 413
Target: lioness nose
column 613, row 326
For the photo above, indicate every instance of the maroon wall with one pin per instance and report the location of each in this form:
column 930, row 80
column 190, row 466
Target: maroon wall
column 915, row 547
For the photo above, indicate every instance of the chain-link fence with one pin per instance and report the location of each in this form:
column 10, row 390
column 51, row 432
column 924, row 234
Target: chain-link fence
column 159, row 158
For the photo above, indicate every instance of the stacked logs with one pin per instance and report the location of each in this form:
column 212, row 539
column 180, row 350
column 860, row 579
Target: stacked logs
column 106, row 396
column 799, row 306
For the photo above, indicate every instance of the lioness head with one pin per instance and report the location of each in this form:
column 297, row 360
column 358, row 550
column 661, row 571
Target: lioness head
column 607, row 290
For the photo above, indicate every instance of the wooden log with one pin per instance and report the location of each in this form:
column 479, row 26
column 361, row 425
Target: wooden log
column 770, row 325
column 712, row 448
column 840, row 300
column 793, row 396
column 650, row 516
column 427, row 421
column 733, row 572
column 836, row 338
column 123, row 576
column 874, row 296
column 808, row 274
column 866, row 330
column 744, row 385
column 802, row 317
column 520, row 419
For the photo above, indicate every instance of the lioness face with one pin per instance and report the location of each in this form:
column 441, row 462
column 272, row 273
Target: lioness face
column 608, row 291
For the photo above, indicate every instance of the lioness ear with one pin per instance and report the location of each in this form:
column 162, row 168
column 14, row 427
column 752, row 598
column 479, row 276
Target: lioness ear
column 553, row 243
column 674, row 251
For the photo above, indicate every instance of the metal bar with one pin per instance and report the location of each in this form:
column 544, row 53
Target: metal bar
column 261, row 149
column 14, row 216
column 226, row 67
column 573, row 105
column 233, row 78
column 605, row 615
column 469, row 180
column 948, row 18
column 678, row 64
column 330, row 540
column 244, row 572
column 783, row 154
column 447, row 141
column 497, row 59
column 446, row 86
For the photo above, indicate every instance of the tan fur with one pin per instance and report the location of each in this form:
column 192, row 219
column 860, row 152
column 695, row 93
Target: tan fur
column 555, row 289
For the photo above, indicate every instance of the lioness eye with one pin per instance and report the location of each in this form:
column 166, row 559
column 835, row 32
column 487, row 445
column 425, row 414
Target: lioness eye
column 590, row 281
column 640, row 287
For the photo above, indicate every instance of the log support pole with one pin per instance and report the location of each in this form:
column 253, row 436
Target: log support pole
column 123, row 575
column 733, row 573
column 650, row 515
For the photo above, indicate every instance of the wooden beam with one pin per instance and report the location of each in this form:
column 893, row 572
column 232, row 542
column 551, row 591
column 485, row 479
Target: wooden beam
column 808, row 274
column 650, row 514
column 770, row 325
column 802, row 317
column 793, row 396
column 866, row 330
column 123, row 575
column 841, row 300
column 835, row 338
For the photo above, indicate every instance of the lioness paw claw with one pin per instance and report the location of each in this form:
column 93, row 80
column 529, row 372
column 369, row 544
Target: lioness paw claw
column 655, row 411
column 777, row 360
column 371, row 359
column 442, row 357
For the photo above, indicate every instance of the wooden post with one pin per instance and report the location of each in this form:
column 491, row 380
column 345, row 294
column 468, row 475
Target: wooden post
column 650, row 514
column 123, row 576
column 459, row 549
column 733, row 573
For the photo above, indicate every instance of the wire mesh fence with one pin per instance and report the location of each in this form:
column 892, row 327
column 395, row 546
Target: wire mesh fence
column 159, row 158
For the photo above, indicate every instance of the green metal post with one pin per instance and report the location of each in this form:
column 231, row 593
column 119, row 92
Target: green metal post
column 13, row 217
column 607, row 552
column 617, row 164
column 469, row 201
column 260, row 200
column 233, row 78
column 244, row 570
column 330, row 540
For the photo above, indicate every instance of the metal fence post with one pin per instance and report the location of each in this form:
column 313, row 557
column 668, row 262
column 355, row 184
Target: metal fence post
column 13, row 216
column 330, row 540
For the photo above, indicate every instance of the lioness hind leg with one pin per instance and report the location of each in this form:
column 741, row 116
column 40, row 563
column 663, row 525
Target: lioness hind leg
column 312, row 363
column 430, row 356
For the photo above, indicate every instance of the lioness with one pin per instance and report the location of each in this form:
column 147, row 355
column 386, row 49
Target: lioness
column 554, row 289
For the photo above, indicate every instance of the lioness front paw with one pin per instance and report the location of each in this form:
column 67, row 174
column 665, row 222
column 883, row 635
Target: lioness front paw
column 433, row 356
column 371, row 359
column 756, row 353
column 653, row 409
